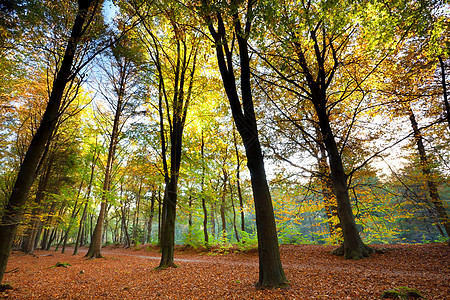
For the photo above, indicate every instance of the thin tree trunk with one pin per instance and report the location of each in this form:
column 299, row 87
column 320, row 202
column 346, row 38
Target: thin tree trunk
column 95, row 156
column 45, row 237
column 205, row 212
column 190, row 220
column 159, row 216
column 136, row 214
column 180, row 106
column 75, row 212
column 29, row 242
column 46, row 241
column 38, row 234
column 51, row 238
column 234, row 213
column 425, row 165
column 444, row 90
column 14, row 208
column 150, row 218
column 213, row 219
column 223, row 206
column 96, row 239
column 125, row 228
column 238, row 181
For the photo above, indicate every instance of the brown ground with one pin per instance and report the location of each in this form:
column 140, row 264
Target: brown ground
column 313, row 274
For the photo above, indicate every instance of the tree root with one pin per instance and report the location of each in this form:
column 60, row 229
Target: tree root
column 5, row 286
column 361, row 252
column 163, row 267
column 281, row 286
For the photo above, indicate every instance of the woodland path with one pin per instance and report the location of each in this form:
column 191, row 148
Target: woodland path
column 313, row 274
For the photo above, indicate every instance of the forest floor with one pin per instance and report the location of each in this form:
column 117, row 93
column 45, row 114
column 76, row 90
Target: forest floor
column 313, row 273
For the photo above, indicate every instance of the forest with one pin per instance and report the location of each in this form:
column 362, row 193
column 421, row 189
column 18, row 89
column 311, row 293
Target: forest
column 223, row 125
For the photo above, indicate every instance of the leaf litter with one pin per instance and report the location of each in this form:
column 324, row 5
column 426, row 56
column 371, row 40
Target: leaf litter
column 313, row 273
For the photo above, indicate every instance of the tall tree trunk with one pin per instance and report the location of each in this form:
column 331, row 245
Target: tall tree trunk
column 329, row 198
column 353, row 247
column 180, row 105
column 238, row 181
column 47, row 223
column 159, row 216
column 79, row 240
column 190, row 220
column 51, row 238
column 271, row 273
column 38, row 234
column 444, row 90
column 125, row 228
column 45, row 237
column 14, row 208
column 168, row 223
column 234, row 213
column 213, row 219
column 136, row 214
column 425, row 166
column 205, row 211
column 223, row 206
column 96, row 239
column 75, row 212
column 86, row 199
column 150, row 217
column 29, row 242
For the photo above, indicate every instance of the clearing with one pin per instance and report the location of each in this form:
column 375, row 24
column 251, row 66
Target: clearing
column 312, row 271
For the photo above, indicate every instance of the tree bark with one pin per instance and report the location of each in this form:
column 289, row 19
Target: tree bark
column 75, row 212
column 14, row 208
column 180, row 105
column 213, row 219
column 136, row 214
column 234, row 213
column 125, row 228
column 168, row 224
column 271, row 273
column 150, row 217
column 205, row 211
column 353, row 247
column 190, row 220
column 29, row 242
column 329, row 198
column 86, row 199
column 444, row 90
column 238, row 182
column 96, row 240
column 223, row 206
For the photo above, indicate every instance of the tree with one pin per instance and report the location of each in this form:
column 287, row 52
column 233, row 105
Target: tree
column 409, row 89
column 271, row 273
column 324, row 58
column 122, row 75
column 175, row 60
column 14, row 209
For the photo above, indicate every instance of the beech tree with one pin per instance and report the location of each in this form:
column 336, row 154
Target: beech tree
column 173, row 50
column 123, row 77
column 271, row 273
column 11, row 217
